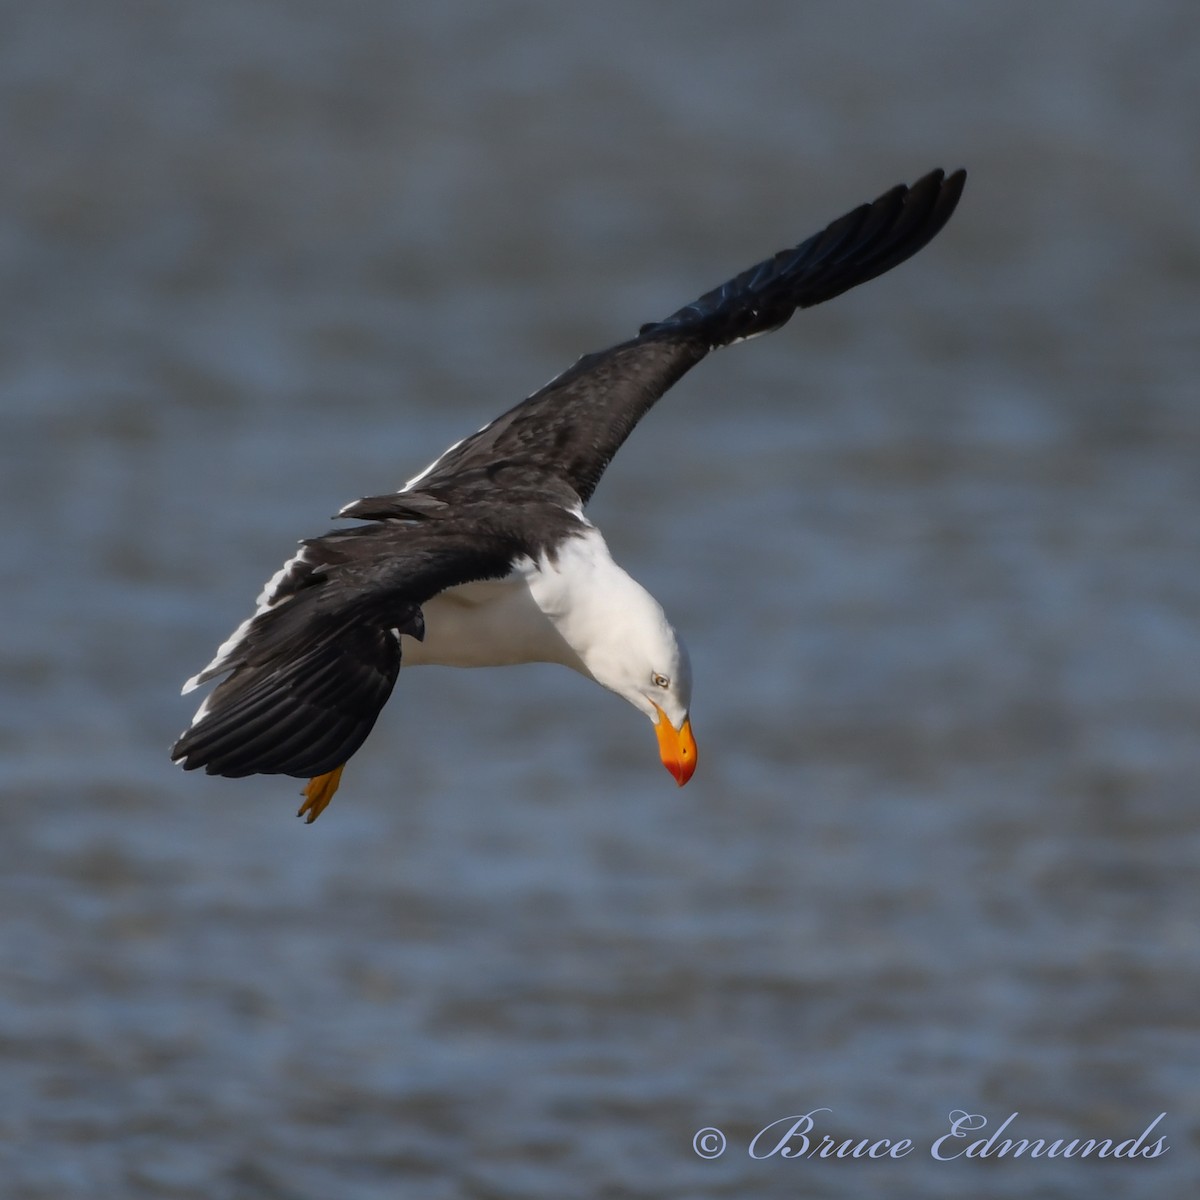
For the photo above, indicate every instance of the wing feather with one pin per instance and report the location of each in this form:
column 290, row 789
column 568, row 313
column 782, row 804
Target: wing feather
column 567, row 432
column 308, row 675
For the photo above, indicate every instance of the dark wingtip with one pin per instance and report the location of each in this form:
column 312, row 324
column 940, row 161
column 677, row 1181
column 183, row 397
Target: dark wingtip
column 894, row 227
column 949, row 190
column 860, row 245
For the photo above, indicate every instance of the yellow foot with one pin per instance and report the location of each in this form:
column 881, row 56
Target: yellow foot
column 318, row 793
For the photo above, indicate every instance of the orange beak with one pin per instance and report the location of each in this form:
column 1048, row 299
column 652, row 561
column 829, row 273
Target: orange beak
column 676, row 747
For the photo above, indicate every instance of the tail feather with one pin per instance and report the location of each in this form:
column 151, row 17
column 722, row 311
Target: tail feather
column 859, row 246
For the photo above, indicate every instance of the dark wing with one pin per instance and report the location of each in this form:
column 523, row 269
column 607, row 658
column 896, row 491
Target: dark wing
column 568, row 432
column 309, row 673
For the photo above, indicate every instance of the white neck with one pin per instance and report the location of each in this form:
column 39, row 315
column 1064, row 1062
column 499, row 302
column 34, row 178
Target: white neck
column 617, row 630
column 583, row 593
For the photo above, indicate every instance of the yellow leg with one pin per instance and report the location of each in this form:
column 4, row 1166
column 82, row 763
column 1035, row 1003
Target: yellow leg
column 318, row 793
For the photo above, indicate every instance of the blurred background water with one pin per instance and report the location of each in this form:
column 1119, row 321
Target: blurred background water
column 934, row 547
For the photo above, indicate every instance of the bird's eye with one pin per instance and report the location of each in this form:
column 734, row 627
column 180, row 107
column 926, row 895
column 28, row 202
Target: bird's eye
column 661, row 681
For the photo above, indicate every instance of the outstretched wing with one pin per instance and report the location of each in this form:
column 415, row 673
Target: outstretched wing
column 567, row 433
column 310, row 671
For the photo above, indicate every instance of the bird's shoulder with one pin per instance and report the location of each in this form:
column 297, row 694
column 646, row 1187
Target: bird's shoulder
column 414, row 544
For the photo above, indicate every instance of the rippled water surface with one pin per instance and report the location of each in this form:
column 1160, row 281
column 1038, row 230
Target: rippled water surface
column 935, row 550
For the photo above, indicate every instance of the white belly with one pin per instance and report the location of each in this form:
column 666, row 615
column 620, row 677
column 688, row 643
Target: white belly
column 494, row 623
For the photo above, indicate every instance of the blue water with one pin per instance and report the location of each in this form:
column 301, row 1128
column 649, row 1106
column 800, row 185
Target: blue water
column 934, row 549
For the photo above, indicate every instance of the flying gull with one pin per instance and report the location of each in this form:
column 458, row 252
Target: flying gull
column 486, row 558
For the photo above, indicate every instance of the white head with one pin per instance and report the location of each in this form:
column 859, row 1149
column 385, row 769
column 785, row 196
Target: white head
column 627, row 645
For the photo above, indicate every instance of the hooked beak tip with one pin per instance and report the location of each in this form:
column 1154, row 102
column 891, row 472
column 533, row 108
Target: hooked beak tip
column 676, row 747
